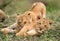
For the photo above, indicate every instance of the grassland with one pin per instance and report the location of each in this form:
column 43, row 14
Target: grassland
column 53, row 13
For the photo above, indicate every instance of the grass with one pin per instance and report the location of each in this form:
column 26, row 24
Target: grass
column 51, row 35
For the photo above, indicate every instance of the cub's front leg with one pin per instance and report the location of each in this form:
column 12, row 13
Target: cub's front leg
column 22, row 31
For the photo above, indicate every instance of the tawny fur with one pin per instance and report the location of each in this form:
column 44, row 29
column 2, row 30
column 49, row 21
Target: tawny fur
column 29, row 22
column 2, row 15
column 37, row 11
column 39, row 8
column 37, row 28
column 27, row 18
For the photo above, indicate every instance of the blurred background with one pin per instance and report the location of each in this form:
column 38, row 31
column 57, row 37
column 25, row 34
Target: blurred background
column 13, row 7
column 19, row 6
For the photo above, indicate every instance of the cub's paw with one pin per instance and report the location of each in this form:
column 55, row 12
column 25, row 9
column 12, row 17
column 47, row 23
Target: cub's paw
column 19, row 34
column 5, row 30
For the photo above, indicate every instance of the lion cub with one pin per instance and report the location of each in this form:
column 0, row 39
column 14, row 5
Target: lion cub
column 37, row 28
column 2, row 16
column 22, row 20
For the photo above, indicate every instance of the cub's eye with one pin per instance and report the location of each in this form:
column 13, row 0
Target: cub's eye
column 50, row 23
column 25, row 22
column 38, row 17
column 19, row 22
column 28, row 13
column 40, row 23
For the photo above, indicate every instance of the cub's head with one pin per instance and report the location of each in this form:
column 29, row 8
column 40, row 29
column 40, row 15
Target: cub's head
column 2, row 16
column 25, row 18
column 45, row 22
column 22, row 20
column 44, row 25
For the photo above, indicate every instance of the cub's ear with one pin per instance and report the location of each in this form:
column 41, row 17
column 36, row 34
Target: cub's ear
column 32, row 7
column 17, row 15
column 51, row 22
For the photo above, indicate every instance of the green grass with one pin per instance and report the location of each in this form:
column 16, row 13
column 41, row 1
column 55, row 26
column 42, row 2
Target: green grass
column 51, row 35
column 52, row 13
